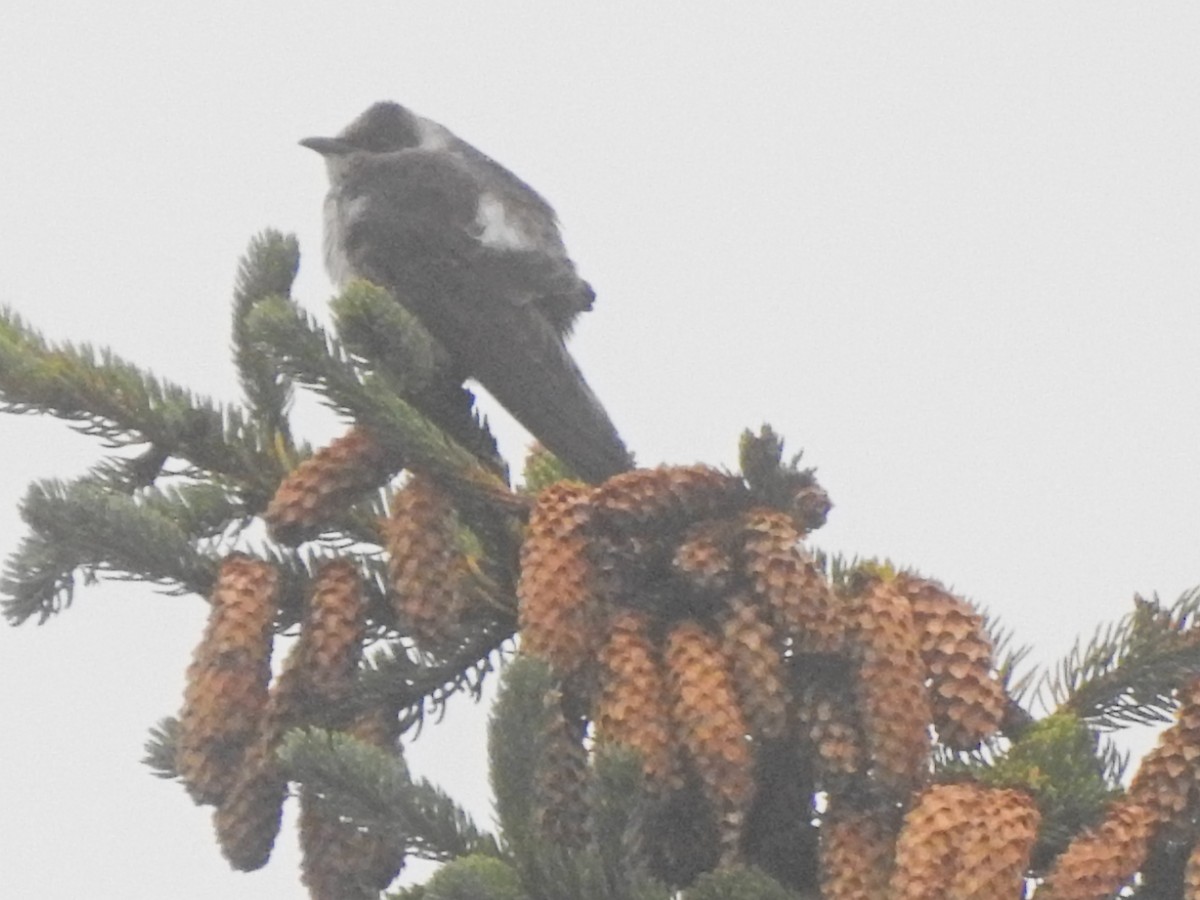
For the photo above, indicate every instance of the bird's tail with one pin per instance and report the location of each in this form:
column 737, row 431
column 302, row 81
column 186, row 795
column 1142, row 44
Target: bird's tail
column 548, row 395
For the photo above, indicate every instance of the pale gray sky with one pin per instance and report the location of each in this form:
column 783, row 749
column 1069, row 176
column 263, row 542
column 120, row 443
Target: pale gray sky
column 949, row 249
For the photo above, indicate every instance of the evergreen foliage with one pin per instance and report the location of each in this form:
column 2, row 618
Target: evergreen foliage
column 581, row 817
column 371, row 788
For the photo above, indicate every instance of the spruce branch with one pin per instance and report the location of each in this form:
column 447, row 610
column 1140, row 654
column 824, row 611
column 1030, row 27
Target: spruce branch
column 38, row 579
column 78, row 525
column 373, row 789
column 518, row 720
column 314, row 358
column 619, row 807
column 474, row 877
column 739, row 883
column 610, row 868
column 399, row 677
column 267, row 270
column 201, row 509
column 1127, row 673
column 392, row 343
column 376, row 329
column 160, row 748
column 109, row 398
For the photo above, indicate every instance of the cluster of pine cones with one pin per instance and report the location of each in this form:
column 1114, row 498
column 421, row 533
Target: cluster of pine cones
column 685, row 619
column 698, row 629
column 234, row 719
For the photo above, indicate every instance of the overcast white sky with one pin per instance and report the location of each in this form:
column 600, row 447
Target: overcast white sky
column 948, row 249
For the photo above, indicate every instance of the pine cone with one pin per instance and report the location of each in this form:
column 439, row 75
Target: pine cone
column 828, row 719
column 711, row 727
column 429, row 587
column 654, row 501
column 631, row 709
column 856, row 855
column 1099, row 862
column 1191, row 874
column 993, row 859
column 562, row 778
column 324, row 484
column 247, row 820
column 943, row 816
column 226, row 691
column 704, row 558
column 341, row 860
column 965, row 841
column 968, row 702
column 1167, row 782
column 559, row 610
column 330, row 646
column 749, row 643
column 803, row 606
column 893, row 702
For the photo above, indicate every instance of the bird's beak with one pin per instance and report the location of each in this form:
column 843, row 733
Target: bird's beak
column 327, row 146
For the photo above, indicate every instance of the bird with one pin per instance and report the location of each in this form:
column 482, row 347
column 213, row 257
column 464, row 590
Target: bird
column 477, row 256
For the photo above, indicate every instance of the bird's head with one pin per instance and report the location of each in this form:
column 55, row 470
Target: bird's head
column 382, row 128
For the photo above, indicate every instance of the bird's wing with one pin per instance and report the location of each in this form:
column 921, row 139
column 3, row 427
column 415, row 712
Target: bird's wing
column 439, row 196
column 417, row 222
column 521, row 199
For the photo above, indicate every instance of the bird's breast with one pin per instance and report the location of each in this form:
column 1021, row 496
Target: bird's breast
column 340, row 213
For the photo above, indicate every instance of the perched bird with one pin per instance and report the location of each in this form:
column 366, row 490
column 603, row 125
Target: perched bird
column 476, row 254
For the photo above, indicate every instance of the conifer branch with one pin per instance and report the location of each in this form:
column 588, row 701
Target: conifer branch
column 267, row 270
column 119, row 403
column 392, row 343
column 399, row 677
column 376, row 329
column 1128, row 671
column 518, row 720
column 201, row 509
column 373, row 789
column 160, row 748
column 78, row 525
column 314, row 358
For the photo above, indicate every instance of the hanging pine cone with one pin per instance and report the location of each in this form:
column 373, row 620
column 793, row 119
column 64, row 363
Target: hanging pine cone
column 1191, row 874
column 1099, row 862
column 562, row 776
column 330, row 646
column 226, row 691
column 856, row 854
column 705, row 556
column 710, row 726
column 324, row 484
column 802, row 603
column 248, row 817
column 654, row 501
column 749, row 643
column 965, row 840
column 341, row 860
column 428, row 570
column 559, row 611
column 1167, row 782
column 992, row 863
column 631, row 709
column 925, row 849
column 893, row 702
column 968, row 701
column 828, row 718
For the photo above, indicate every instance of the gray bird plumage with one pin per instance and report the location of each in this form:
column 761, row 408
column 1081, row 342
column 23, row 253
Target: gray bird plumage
column 477, row 255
